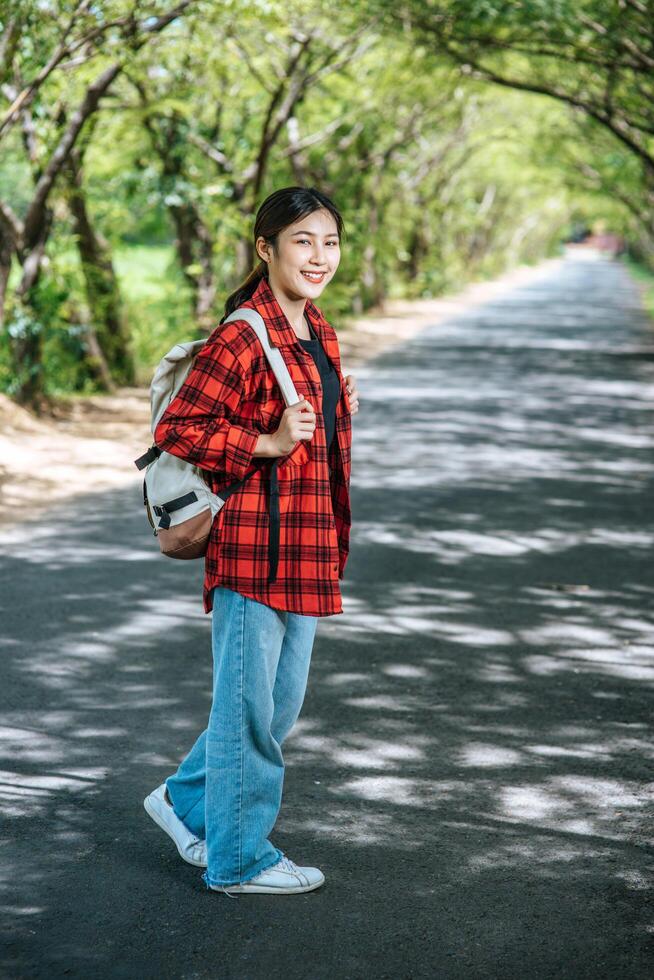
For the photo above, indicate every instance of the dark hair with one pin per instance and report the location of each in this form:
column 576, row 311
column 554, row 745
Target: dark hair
column 280, row 209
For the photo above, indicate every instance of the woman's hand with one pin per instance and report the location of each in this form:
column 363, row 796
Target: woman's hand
column 298, row 422
column 353, row 393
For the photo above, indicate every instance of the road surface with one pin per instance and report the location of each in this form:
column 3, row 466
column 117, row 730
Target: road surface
column 472, row 768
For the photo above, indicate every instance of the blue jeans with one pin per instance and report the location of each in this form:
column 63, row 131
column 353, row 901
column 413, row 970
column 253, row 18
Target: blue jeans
column 228, row 789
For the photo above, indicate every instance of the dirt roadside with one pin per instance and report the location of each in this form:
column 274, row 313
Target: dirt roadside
column 92, row 443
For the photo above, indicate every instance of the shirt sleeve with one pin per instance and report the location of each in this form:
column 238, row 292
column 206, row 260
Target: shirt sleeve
column 197, row 425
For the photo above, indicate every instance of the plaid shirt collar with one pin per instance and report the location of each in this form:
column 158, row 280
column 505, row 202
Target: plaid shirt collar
column 280, row 331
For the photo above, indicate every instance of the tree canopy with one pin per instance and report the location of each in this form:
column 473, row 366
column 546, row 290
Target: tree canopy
column 139, row 138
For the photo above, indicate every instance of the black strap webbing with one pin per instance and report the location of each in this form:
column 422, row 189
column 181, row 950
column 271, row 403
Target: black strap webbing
column 167, row 509
column 228, row 491
column 273, row 527
column 153, row 453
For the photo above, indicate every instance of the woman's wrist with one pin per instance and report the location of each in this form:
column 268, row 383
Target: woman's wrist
column 266, row 445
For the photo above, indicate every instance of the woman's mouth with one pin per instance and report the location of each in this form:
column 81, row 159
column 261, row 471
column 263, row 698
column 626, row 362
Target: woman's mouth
column 313, row 276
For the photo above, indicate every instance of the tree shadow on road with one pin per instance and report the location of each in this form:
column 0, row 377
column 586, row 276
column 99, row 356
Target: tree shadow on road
column 472, row 765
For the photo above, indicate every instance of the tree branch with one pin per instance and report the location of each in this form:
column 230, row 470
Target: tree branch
column 63, row 50
column 211, row 152
column 87, row 106
column 8, row 43
column 314, row 138
column 617, row 126
column 13, row 224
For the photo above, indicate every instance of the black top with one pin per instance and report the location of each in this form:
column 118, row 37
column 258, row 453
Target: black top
column 331, row 386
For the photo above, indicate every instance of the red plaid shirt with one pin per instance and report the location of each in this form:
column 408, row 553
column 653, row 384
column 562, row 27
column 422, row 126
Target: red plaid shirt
column 230, row 396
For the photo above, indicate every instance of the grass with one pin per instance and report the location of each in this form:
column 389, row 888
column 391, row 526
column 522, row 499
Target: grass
column 645, row 278
column 157, row 302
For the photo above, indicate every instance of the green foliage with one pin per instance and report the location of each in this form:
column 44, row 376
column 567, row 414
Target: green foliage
column 157, row 302
column 645, row 277
column 440, row 176
column 49, row 319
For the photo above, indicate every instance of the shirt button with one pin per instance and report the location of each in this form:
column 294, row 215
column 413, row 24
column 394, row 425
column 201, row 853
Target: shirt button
column 334, row 568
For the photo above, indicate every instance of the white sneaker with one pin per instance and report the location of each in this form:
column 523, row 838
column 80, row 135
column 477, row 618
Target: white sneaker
column 191, row 848
column 283, row 878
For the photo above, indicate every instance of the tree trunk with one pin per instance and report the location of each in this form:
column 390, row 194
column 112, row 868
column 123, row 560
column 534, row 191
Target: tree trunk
column 193, row 242
column 108, row 337
column 373, row 285
column 93, row 356
column 6, row 255
column 194, row 246
column 418, row 247
column 27, row 334
column 35, row 227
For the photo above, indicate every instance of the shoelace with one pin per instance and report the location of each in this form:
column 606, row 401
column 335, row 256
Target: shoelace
column 287, row 864
column 284, row 862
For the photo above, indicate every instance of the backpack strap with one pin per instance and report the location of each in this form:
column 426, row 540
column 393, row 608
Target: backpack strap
column 291, row 397
column 273, row 531
column 273, row 354
column 153, row 453
column 164, row 512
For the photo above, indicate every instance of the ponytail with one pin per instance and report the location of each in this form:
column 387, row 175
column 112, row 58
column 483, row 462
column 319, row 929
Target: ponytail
column 246, row 289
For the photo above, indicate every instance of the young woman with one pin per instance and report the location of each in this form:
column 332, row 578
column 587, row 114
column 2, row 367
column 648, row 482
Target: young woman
column 278, row 545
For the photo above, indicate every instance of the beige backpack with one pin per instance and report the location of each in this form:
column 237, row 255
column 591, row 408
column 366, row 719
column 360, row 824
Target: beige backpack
column 179, row 504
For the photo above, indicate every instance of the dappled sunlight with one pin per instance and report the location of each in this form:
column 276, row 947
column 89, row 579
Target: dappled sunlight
column 398, row 789
column 92, row 665
column 359, row 829
column 550, row 633
column 383, row 702
column 487, row 756
column 361, row 752
column 484, row 701
column 44, row 545
column 500, row 672
column 455, row 546
column 25, row 795
column 79, row 653
column 497, row 603
column 553, row 664
column 575, row 803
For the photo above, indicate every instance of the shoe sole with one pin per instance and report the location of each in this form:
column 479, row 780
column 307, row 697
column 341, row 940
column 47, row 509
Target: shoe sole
column 151, row 812
column 245, row 888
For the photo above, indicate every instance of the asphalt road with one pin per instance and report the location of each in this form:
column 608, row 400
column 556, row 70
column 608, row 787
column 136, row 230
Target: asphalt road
column 472, row 768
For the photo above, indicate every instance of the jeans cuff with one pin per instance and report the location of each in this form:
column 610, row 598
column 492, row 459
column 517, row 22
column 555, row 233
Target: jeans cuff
column 257, row 870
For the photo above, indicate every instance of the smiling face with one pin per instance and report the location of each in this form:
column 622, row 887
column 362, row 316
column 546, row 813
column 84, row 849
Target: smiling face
column 306, row 257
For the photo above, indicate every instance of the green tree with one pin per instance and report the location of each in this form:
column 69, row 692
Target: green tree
column 595, row 56
column 32, row 55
